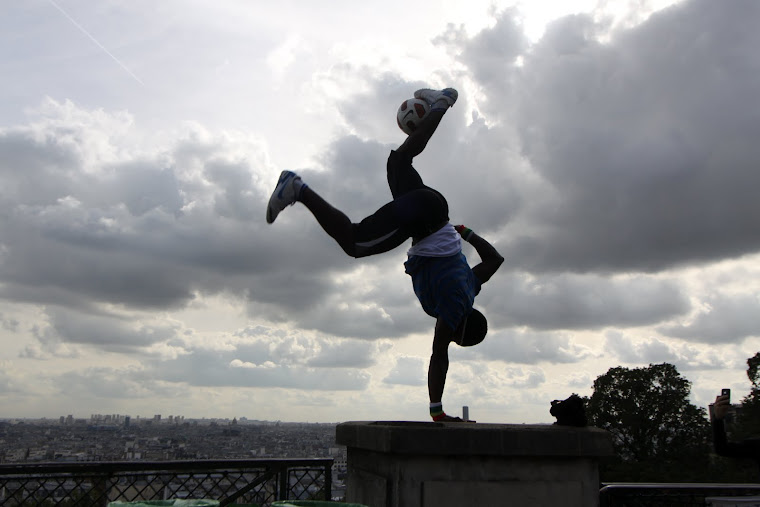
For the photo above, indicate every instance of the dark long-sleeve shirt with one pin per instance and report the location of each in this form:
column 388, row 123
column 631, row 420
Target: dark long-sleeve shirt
column 742, row 449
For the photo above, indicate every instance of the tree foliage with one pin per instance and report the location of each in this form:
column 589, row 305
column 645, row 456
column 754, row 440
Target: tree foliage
column 753, row 370
column 648, row 413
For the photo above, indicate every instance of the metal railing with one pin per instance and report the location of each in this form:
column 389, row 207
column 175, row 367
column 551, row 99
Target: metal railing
column 95, row 484
column 634, row 494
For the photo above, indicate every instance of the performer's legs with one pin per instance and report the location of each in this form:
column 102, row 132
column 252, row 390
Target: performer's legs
column 334, row 222
column 402, row 176
column 411, row 215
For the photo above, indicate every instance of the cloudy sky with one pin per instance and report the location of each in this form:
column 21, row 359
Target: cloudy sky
column 609, row 150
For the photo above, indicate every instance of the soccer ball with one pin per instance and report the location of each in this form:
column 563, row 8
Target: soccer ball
column 410, row 114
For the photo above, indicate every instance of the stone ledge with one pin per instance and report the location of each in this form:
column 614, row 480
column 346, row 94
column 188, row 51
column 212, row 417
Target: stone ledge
column 474, row 439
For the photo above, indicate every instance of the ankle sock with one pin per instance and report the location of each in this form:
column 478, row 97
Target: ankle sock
column 299, row 186
column 440, row 105
column 436, row 411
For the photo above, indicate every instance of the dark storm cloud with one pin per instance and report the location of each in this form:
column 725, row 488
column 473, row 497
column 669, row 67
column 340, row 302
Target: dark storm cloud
column 646, row 143
column 355, row 179
column 34, row 171
column 581, row 301
column 142, row 188
column 108, row 331
column 153, row 232
column 150, row 232
column 125, row 333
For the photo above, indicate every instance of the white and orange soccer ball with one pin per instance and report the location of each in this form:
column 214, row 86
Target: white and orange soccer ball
column 410, row 113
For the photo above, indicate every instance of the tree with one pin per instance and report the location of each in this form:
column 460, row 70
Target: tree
column 753, row 370
column 652, row 422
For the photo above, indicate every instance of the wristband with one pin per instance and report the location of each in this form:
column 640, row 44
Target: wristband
column 463, row 231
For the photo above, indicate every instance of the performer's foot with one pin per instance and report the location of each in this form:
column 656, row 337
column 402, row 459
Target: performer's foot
column 285, row 194
column 449, row 418
column 450, row 95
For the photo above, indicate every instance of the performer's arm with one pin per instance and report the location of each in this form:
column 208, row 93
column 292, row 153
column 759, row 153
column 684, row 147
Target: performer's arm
column 491, row 260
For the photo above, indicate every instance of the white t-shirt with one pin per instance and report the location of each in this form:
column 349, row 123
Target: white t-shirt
column 442, row 243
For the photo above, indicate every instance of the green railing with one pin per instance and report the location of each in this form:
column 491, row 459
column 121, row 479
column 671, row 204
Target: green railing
column 95, row 484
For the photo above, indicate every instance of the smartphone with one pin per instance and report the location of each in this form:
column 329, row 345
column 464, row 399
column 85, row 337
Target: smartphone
column 726, row 392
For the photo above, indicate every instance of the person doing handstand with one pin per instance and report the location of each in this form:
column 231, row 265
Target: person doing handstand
column 443, row 281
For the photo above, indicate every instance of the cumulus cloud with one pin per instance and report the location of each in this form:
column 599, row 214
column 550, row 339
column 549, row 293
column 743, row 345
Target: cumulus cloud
column 220, row 370
column 487, row 381
column 265, row 357
column 597, row 160
column 98, row 229
column 524, row 347
column 652, row 350
column 153, row 231
column 721, row 319
column 9, row 323
column 9, row 383
column 570, row 301
column 580, row 381
column 408, row 371
column 645, row 142
column 344, row 354
column 110, row 332
column 113, row 383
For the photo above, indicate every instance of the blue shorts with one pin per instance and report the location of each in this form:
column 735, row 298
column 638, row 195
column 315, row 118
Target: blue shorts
column 445, row 286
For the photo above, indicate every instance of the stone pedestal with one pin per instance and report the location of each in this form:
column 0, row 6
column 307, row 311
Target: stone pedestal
column 420, row 464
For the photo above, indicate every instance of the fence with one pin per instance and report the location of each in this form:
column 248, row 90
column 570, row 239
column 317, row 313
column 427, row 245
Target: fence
column 258, row 482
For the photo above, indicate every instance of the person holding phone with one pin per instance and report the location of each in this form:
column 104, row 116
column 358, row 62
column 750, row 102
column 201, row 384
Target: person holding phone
column 749, row 448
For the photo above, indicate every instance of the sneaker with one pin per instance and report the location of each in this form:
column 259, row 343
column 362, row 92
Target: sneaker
column 284, row 195
column 450, row 95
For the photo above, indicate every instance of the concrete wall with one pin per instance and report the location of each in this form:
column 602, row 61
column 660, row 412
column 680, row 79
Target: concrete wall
column 401, row 464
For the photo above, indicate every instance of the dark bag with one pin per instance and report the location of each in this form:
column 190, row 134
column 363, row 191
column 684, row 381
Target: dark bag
column 569, row 412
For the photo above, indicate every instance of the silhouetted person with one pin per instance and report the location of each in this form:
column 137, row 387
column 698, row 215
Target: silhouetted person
column 749, row 448
column 442, row 279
